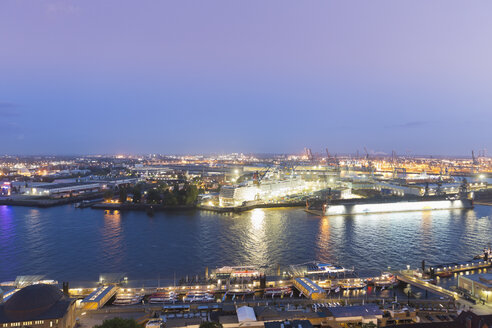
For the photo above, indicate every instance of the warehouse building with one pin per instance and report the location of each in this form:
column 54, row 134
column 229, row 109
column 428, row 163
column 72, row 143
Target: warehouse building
column 309, row 289
column 477, row 285
column 61, row 190
column 99, row 297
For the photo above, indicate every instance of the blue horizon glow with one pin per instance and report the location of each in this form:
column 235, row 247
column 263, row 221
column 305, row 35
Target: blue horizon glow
column 92, row 77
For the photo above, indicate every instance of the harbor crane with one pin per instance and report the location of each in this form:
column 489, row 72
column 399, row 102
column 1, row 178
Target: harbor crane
column 309, row 153
column 474, row 159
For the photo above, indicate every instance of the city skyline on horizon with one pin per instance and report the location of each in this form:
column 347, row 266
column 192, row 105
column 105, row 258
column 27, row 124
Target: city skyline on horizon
column 220, row 77
column 318, row 154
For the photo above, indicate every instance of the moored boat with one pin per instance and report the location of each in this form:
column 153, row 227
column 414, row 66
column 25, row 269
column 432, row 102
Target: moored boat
column 444, row 274
column 128, row 299
column 198, row 297
column 386, row 280
column 165, row 297
column 349, row 284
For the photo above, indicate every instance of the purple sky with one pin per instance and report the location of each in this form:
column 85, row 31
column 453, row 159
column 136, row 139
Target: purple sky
column 161, row 76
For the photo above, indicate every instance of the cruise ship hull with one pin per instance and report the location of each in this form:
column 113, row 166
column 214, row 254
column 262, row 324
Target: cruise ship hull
column 397, row 206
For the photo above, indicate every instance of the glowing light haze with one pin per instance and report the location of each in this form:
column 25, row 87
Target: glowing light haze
column 253, row 76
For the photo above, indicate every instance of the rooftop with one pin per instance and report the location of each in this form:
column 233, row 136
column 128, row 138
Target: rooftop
column 65, row 185
column 289, row 324
column 35, row 302
column 355, row 311
column 484, row 278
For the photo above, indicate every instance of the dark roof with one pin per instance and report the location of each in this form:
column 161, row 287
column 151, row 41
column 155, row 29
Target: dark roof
column 289, row 324
column 65, row 185
column 354, row 311
column 475, row 321
column 451, row 324
column 35, row 302
column 265, row 311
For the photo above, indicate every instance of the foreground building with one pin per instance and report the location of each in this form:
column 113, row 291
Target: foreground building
column 40, row 305
column 477, row 285
column 466, row 319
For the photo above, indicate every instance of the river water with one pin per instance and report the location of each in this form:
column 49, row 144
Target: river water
column 65, row 243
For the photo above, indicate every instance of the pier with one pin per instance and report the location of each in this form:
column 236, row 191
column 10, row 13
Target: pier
column 406, row 278
column 460, row 267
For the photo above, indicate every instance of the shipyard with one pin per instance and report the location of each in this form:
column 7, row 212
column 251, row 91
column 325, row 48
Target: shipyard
column 324, row 184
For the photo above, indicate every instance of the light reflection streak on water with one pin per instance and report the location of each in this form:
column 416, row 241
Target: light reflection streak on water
column 112, row 238
column 257, row 237
column 426, row 226
column 324, row 239
column 6, row 226
column 7, row 235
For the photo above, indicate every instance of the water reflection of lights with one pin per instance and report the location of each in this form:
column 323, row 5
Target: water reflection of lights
column 324, row 238
column 257, row 218
column 257, row 245
column 426, row 220
column 7, row 229
column 112, row 237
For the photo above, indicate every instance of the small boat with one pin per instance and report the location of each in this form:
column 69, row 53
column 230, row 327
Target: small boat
column 198, row 297
column 327, row 268
column 444, row 274
column 349, row 284
column 158, row 298
column 386, row 279
column 128, row 299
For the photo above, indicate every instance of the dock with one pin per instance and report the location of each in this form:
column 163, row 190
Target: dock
column 460, row 267
column 426, row 285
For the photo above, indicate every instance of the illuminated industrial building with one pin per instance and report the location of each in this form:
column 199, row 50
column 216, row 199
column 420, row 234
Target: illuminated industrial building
column 267, row 190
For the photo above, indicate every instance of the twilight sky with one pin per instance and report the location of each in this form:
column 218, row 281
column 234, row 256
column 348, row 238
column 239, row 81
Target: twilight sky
column 100, row 76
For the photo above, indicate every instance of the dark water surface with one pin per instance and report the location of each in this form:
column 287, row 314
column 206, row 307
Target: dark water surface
column 66, row 243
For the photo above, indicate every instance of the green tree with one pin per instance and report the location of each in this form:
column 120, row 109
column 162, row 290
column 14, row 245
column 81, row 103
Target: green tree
column 153, row 196
column 210, row 324
column 169, row 199
column 162, row 187
column 118, row 323
column 108, row 195
column 137, row 195
column 123, row 195
column 191, row 194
